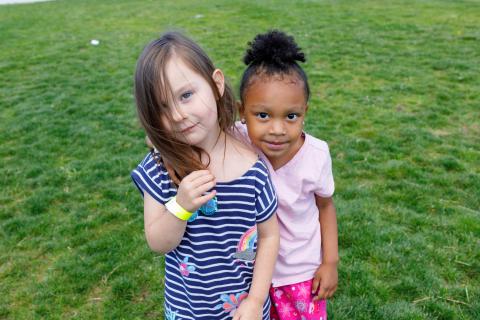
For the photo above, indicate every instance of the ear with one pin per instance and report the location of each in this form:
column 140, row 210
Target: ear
column 219, row 80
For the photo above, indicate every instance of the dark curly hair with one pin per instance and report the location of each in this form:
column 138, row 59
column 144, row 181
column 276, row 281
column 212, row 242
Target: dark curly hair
column 273, row 53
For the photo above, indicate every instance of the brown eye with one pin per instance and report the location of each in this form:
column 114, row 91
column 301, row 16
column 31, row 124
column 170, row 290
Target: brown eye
column 262, row 115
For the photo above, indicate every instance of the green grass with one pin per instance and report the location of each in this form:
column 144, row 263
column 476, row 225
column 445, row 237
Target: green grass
column 395, row 93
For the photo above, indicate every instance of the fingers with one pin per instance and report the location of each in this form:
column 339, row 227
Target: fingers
column 317, row 289
column 324, row 292
column 237, row 314
column 332, row 291
column 205, row 198
column 195, row 175
column 315, row 284
column 198, row 183
column 198, row 179
column 202, row 180
column 193, row 190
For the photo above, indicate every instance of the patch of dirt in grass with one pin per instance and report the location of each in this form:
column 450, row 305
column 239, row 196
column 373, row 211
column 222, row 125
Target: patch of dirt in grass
column 440, row 132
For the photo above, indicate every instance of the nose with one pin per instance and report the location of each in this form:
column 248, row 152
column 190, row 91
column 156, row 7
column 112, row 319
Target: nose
column 277, row 128
column 177, row 115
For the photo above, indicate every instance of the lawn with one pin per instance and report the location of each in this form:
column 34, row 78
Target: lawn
column 395, row 93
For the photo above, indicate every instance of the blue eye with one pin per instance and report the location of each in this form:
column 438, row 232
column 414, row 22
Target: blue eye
column 262, row 115
column 186, row 95
column 292, row 116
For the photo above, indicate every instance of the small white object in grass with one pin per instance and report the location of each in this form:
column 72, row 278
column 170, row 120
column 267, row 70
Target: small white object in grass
column 94, row 42
column 198, row 16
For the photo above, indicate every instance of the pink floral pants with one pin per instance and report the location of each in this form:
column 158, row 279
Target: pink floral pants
column 295, row 302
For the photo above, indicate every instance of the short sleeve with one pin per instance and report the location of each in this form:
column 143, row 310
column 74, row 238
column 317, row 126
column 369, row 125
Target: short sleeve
column 153, row 178
column 266, row 198
column 325, row 184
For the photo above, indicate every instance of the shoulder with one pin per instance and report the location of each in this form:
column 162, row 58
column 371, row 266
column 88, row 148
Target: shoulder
column 151, row 169
column 256, row 176
column 241, row 157
column 315, row 158
column 262, row 176
column 245, row 149
column 316, row 143
column 240, row 128
column 266, row 199
column 240, row 132
column 316, row 147
column 152, row 177
column 260, row 167
column 148, row 163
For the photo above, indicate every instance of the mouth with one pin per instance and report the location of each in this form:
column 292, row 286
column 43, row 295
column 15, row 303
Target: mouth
column 188, row 129
column 276, row 145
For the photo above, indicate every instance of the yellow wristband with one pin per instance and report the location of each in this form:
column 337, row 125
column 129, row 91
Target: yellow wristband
column 174, row 208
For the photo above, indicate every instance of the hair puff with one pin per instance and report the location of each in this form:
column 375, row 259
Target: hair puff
column 274, row 48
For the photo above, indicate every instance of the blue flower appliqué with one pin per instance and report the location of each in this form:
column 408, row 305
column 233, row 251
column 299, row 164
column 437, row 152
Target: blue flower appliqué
column 207, row 209
column 170, row 314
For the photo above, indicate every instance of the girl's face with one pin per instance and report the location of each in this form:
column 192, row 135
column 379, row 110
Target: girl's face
column 274, row 110
column 193, row 108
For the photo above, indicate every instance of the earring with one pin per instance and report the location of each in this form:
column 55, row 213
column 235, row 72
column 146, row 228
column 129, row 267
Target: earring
column 303, row 123
column 243, row 121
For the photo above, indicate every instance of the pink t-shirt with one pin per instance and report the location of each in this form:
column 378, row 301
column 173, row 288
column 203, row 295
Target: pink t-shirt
column 307, row 174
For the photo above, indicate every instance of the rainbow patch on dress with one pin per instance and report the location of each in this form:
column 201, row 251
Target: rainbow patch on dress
column 246, row 245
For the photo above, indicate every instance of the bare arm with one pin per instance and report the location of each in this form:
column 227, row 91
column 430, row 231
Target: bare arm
column 267, row 250
column 328, row 225
column 163, row 230
column 326, row 277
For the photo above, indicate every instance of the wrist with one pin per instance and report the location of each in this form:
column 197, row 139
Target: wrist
column 255, row 299
column 184, row 203
column 330, row 258
column 177, row 210
column 331, row 262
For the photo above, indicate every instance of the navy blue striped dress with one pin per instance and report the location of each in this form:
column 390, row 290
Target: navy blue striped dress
column 210, row 272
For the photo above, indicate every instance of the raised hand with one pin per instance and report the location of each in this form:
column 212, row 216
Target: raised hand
column 193, row 190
